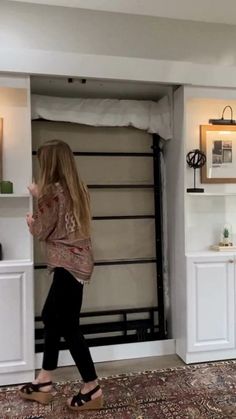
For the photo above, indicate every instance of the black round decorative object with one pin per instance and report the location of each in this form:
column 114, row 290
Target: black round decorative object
column 195, row 159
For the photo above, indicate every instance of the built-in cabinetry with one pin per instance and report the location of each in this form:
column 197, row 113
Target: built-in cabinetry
column 16, row 268
column 16, row 322
column 203, row 281
column 211, row 306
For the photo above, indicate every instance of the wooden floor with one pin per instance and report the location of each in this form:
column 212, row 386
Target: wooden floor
column 105, row 369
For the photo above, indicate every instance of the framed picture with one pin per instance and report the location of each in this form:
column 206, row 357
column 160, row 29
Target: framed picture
column 1, row 139
column 218, row 142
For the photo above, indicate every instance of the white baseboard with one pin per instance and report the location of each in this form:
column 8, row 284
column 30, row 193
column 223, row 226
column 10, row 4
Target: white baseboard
column 119, row 352
column 14, row 378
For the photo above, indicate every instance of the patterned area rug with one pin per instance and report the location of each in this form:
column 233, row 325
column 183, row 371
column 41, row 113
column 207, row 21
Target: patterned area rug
column 191, row 392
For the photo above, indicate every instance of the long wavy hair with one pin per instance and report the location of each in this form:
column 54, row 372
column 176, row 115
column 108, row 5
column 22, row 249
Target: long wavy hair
column 57, row 165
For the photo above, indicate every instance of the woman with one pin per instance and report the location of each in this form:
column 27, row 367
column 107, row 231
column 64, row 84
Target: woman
column 62, row 221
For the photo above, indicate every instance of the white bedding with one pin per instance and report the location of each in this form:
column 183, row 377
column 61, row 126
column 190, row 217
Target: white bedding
column 153, row 117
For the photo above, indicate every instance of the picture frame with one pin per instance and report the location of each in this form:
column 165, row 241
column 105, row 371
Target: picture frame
column 218, row 143
column 1, row 148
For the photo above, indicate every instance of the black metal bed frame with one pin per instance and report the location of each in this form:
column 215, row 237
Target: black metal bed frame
column 139, row 330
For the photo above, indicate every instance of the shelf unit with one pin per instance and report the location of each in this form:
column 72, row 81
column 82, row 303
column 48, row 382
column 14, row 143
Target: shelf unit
column 18, row 262
column 16, row 268
column 14, row 196
column 211, row 194
column 203, row 281
column 209, row 253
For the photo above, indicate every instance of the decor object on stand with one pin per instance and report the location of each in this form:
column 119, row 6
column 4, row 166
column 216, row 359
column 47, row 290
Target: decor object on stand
column 226, row 241
column 195, row 159
column 218, row 143
column 226, row 237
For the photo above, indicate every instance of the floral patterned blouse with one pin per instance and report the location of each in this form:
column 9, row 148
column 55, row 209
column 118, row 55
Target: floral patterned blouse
column 56, row 226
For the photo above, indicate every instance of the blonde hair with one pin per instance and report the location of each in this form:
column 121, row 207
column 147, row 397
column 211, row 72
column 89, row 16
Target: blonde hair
column 57, row 165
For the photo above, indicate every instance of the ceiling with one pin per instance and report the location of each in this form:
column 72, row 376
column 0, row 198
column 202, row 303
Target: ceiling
column 216, row 11
column 91, row 88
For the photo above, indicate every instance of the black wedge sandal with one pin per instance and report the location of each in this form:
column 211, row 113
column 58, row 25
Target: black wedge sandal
column 32, row 392
column 85, row 401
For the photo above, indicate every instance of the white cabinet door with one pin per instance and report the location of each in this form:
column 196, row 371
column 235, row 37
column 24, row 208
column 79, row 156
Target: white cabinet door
column 210, row 304
column 16, row 320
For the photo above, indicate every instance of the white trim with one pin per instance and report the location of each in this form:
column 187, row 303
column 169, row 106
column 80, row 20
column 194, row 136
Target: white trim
column 32, row 61
column 119, row 352
column 12, row 195
column 16, row 263
column 13, row 82
column 201, row 10
column 209, row 356
column 19, row 377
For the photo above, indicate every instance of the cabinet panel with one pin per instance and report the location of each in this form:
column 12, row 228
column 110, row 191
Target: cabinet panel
column 211, row 305
column 16, row 319
column 11, row 348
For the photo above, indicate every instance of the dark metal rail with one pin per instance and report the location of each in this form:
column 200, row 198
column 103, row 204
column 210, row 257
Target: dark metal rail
column 125, row 217
column 109, row 262
column 158, row 232
column 107, row 154
column 121, row 186
column 142, row 329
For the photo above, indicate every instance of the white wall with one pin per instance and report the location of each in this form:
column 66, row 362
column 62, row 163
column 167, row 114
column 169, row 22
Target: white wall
column 102, row 44
column 174, row 157
column 106, row 33
column 15, row 111
column 201, row 10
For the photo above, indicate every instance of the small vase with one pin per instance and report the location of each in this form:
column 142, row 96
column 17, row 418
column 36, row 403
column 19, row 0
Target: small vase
column 6, row 187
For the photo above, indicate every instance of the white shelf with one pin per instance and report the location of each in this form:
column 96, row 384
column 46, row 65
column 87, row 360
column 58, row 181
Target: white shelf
column 207, row 253
column 211, row 194
column 13, row 195
column 15, row 262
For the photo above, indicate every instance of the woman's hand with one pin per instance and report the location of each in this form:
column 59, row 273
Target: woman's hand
column 33, row 189
column 30, row 221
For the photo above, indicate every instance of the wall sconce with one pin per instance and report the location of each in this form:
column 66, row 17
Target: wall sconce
column 223, row 121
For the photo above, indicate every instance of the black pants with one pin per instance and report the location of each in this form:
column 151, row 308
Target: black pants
column 61, row 315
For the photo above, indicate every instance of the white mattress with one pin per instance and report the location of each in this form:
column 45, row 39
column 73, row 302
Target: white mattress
column 150, row 116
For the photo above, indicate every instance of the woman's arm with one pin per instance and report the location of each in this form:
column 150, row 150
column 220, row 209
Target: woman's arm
column 43, row 222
